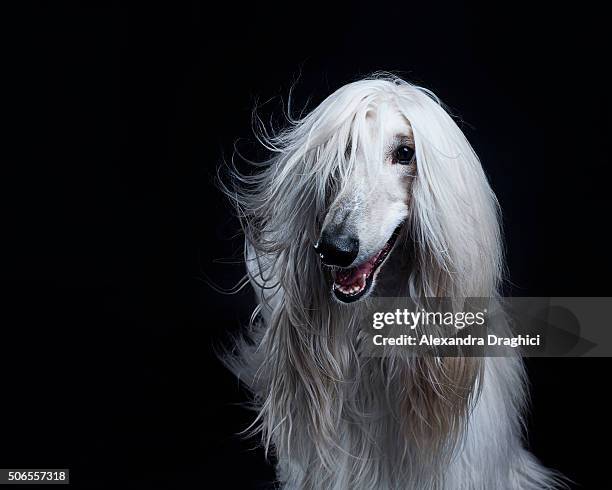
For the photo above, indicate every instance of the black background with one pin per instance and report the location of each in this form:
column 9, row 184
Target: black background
column 118, row 116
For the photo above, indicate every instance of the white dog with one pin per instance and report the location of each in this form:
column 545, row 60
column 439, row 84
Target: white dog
column 376, row 189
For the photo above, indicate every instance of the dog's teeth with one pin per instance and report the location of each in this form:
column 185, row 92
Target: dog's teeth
column 351, row 289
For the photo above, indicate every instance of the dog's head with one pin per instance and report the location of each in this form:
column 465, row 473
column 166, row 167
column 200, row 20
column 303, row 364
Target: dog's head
column 377, row 160
column 365, row 217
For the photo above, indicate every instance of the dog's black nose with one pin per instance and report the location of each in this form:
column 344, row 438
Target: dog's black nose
column 340, row 250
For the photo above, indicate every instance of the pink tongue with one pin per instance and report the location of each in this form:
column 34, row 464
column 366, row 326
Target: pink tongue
column 348, row 277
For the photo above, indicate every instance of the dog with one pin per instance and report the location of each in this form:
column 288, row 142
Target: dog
column 375, row 192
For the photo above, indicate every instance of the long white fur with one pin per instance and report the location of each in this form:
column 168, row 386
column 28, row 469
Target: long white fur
column 332, row 417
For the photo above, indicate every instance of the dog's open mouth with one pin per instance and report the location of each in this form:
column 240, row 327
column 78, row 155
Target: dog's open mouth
column 352, row 283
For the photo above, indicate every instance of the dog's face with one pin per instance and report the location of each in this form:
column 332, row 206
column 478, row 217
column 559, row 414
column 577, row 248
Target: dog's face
column 363, row 222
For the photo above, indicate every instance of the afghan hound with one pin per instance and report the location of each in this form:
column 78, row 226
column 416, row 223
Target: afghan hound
column 375, row 192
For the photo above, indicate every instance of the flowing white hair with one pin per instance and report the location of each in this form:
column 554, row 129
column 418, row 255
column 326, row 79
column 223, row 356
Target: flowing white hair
column 334, row 418
column 454, row 216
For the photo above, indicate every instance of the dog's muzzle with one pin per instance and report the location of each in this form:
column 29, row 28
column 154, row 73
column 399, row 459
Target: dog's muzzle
column 351, row 281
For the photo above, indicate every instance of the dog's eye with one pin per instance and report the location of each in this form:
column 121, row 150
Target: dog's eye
column 403, row 155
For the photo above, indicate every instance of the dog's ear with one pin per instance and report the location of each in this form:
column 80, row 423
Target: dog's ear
column 455, row 215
